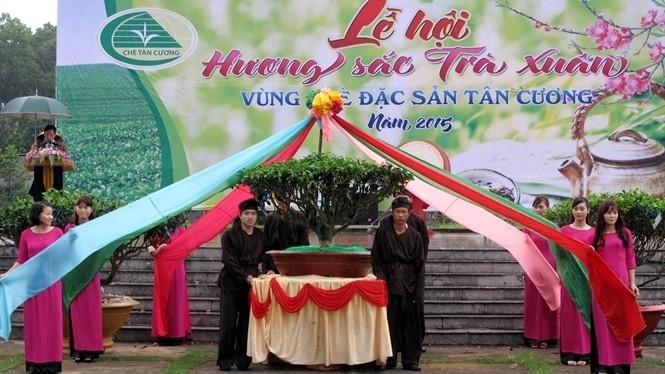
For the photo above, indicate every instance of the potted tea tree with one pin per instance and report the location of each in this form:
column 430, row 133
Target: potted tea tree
column 332, row 192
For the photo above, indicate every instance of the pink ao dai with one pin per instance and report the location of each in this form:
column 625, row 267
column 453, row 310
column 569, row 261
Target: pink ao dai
column 41, row 334
column 540, row 323
column 85, row 314
column 574, row 341
column 620, row 259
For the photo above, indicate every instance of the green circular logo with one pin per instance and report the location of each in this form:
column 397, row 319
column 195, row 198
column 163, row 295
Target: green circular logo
column 147, row 38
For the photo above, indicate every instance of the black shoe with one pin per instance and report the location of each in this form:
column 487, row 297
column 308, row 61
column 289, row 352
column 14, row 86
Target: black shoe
column 243, row 363
column 423, row 349
column 391, row 363
column 225, row 367
column 412, row 367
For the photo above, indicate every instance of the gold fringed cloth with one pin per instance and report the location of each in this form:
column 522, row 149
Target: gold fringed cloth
column 315, row 320
column 47, row 177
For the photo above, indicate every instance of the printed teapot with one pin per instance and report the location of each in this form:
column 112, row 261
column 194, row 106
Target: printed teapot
column 626, row 160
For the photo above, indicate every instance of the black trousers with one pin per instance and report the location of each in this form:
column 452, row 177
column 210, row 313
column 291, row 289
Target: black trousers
column 233, row 326
column 37, row 188
column 405, row 327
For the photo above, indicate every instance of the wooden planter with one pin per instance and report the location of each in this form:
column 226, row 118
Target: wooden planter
column 327, row 264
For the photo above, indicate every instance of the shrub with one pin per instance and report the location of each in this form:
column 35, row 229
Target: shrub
column 13, row 176
column 331, row 191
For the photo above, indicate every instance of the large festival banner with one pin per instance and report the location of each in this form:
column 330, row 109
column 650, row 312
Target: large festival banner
column 524, row 97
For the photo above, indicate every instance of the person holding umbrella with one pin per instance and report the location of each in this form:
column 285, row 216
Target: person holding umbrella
column 47, row 140
column 39, row 107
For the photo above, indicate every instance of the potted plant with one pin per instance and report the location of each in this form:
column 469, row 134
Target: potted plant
column 115, row 308
column 332, row 192
column 642, row 213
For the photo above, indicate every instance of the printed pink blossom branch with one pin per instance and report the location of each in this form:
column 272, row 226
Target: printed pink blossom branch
column 608, row 35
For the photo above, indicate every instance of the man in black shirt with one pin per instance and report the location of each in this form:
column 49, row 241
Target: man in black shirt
column 243, row 248
column 398, row 257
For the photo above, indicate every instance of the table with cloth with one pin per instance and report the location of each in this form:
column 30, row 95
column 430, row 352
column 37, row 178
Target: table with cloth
column 315, row 320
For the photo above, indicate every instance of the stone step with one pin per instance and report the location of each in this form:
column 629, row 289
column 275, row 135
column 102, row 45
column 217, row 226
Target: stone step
column 470, row 336
column 466, row 254
column 473, row 293
column 192, row 264
column 444, row 322
column 474, row 279
column 454, row 321
column 471, row 266
column 440, row 239
column 146, row 276
column 143, row 317
column 148, row 264
column 207, row 253
column 137, row 290
column 473, row 307
column 205, row 304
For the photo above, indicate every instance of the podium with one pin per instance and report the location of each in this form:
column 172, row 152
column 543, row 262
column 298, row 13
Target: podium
column 49, row 163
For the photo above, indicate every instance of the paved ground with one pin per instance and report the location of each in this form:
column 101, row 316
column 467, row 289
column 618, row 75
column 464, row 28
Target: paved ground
column 437, row 359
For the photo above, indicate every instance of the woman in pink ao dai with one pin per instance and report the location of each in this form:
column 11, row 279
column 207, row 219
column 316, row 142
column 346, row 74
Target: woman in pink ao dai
column 614, row 243
column 42, row 313
column 574, row 338
column 541, row 325
column 86, row 340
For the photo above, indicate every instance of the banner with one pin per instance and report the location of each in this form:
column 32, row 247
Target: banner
column 507, row 91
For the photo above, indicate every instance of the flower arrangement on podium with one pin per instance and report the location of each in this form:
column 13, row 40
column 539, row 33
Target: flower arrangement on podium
column 48, row 157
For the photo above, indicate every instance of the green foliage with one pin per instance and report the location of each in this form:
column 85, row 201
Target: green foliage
column 331, row 191
column 639, row 211
column 27, row 59
column 13, row 176
column 18, row 133
column 14, row 219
